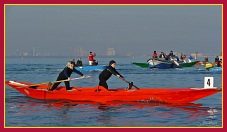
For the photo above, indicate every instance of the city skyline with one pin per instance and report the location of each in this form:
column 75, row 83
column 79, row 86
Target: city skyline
column 109, row 52
column 130, row 30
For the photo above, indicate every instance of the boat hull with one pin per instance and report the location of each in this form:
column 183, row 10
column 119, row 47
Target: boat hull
column 215, row 69
column 141, row 64
column 188, row 64
column 100, row 94
column 146, row 65
column 161, row 64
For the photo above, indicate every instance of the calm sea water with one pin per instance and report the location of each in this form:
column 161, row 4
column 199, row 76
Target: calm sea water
column 22, row 111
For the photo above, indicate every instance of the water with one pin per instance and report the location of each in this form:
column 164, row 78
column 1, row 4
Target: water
column 22, row 111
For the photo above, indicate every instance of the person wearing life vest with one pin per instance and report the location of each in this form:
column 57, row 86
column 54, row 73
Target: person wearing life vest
column 91, row 59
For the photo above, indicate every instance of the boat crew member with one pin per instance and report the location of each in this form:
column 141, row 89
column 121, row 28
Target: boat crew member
column 219, row 63
column 91, row 59
column 79, row 62
column 65, row 74
column 107, row 73
column 205, row 60
column 183, row 58
column 171, row 53
column 155, row 55
column 162, row 56
column 216, row 60
column 190, row 58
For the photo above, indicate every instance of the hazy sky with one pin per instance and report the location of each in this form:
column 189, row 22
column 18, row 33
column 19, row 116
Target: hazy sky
column 63, row 30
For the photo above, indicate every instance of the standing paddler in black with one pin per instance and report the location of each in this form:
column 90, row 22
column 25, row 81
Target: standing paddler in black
column 107, row 73
column 65, row 74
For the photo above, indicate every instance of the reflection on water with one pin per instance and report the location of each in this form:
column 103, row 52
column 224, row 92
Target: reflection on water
column 67, row 113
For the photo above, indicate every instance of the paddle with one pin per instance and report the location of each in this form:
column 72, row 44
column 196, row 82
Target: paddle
column 153, row 63
column 130, row 84
column 175, row 62
column 50, row 83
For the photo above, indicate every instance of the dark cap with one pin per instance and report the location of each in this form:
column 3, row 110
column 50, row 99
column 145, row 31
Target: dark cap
column 111, row 62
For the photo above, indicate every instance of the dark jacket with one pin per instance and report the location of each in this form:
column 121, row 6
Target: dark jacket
column 107, row 73
column 79, row 63
column 66, row 72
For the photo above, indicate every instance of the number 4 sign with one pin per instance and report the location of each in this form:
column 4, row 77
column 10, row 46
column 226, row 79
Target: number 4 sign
column 208, row 82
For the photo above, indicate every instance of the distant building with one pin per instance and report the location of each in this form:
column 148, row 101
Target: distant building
column 110, row 52
column 80, row 52
column 34, row 52
column 23, row 54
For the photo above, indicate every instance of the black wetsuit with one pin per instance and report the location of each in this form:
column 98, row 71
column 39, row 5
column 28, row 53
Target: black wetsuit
column 106, row 74
column 63, row 75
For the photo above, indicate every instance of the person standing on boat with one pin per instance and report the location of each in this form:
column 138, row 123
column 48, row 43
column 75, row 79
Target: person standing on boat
column 91, row 59
column 107, row 73
column 65, row 74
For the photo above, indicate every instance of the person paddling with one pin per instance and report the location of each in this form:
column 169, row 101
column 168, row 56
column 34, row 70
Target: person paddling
column 65, row 74
column 107, row 73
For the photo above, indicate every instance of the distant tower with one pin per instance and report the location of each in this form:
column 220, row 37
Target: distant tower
column 33, row 52
column 81, row 52
column 196, row 54
column 110, row 52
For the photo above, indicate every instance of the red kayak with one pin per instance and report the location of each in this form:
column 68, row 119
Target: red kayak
column 100, row 94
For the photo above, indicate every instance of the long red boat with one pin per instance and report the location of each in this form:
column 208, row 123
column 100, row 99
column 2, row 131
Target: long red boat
column 100, row 94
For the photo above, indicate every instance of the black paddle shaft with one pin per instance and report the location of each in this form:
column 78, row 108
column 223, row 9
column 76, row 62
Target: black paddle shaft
column 130, row 83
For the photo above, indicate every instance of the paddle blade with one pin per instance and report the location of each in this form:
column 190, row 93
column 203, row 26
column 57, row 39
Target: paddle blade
column 49, row 86
column 130, row 85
